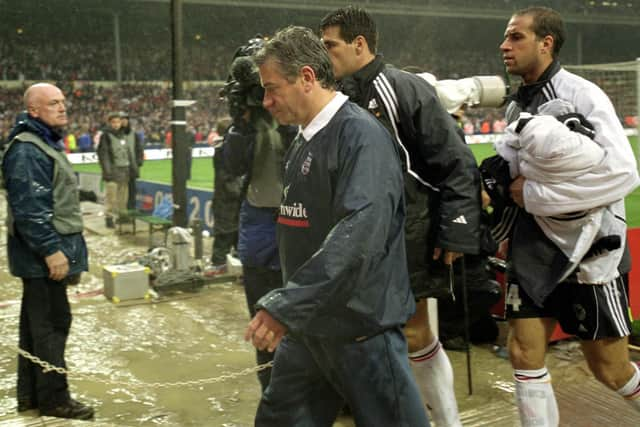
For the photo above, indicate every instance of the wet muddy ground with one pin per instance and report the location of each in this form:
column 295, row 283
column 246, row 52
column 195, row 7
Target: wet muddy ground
column 162, row 362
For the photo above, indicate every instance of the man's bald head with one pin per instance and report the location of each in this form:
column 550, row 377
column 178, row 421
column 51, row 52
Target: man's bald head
column 46, row 102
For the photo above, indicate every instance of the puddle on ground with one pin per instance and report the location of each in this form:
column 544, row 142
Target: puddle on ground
column 191, row 337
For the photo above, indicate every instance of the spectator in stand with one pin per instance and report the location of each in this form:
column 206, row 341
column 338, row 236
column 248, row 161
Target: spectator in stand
column 96, row 138
column 141, row 136
column 70, row 145
column 198, row 137
column 214, row 135
column 85, row 144
column 498, row 125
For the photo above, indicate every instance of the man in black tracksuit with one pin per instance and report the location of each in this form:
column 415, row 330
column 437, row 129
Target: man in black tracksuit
column 442, row 184
column 340, row 233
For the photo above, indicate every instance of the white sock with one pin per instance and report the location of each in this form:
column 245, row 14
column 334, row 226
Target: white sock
column 535, row 399
column 631, row 390
column 434, row 375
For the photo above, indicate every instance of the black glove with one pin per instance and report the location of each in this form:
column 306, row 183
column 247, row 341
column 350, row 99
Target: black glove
column 496, row 179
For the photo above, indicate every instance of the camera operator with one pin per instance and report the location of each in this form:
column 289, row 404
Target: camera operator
column 226, row 204
column 254, row 146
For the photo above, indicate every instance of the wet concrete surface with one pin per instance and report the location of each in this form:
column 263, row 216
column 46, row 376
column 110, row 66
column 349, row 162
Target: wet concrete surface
column 125, row 359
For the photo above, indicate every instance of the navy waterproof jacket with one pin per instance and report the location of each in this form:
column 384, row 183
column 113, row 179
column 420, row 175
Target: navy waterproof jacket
column 340, row 233
column 28, row 176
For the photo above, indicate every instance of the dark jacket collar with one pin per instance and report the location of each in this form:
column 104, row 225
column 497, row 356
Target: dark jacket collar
column 526, row 93
column 27, row 123
column 358, row 84
column 366, row 74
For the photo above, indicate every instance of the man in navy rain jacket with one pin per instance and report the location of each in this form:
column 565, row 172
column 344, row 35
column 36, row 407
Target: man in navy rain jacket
column 337, row 322
column 45, row 247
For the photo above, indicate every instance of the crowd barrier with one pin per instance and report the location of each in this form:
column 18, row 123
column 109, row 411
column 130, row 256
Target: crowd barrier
column 149, row 154
column 149, row 194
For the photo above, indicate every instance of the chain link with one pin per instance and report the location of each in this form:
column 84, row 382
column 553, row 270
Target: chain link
column 47, row 367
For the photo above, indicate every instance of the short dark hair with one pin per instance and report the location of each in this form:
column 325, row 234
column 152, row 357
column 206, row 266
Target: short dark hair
column 295, row 47
column 546, row 22
column 353, row 21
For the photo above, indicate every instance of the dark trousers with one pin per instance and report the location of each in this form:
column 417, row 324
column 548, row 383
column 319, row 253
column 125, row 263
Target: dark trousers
column 222, row 243
column 131, row 203
column 258, row 281
column 313, row 378
column 45, row 319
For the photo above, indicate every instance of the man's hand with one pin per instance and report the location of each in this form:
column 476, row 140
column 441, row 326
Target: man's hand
column 516, row 189
column 58, row 265
column 503, row 249
column 264, row 331
column 486, row 199
column 448, row 257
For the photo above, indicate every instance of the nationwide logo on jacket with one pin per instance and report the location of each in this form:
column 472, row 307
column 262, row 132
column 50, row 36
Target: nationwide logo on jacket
column 294, row 215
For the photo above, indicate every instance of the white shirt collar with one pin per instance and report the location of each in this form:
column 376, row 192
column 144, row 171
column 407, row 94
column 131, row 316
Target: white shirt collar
column 324, row 116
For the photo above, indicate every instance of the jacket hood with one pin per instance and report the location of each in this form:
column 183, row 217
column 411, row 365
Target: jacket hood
column 27, row 123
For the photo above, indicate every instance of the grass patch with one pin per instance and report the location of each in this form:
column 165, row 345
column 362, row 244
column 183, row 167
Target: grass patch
column 202, row 174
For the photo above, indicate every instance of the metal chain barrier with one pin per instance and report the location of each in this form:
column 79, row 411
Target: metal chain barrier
column 47, row 367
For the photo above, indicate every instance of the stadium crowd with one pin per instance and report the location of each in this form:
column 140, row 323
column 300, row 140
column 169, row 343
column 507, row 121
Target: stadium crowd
column 148, row 106
column 84, row 64
column 566, row 6
column 89, row 82
column 20, row 60
column 147, row 103
column 27, row 60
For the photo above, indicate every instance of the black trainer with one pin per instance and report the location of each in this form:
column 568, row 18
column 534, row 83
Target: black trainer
column 71, row 409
